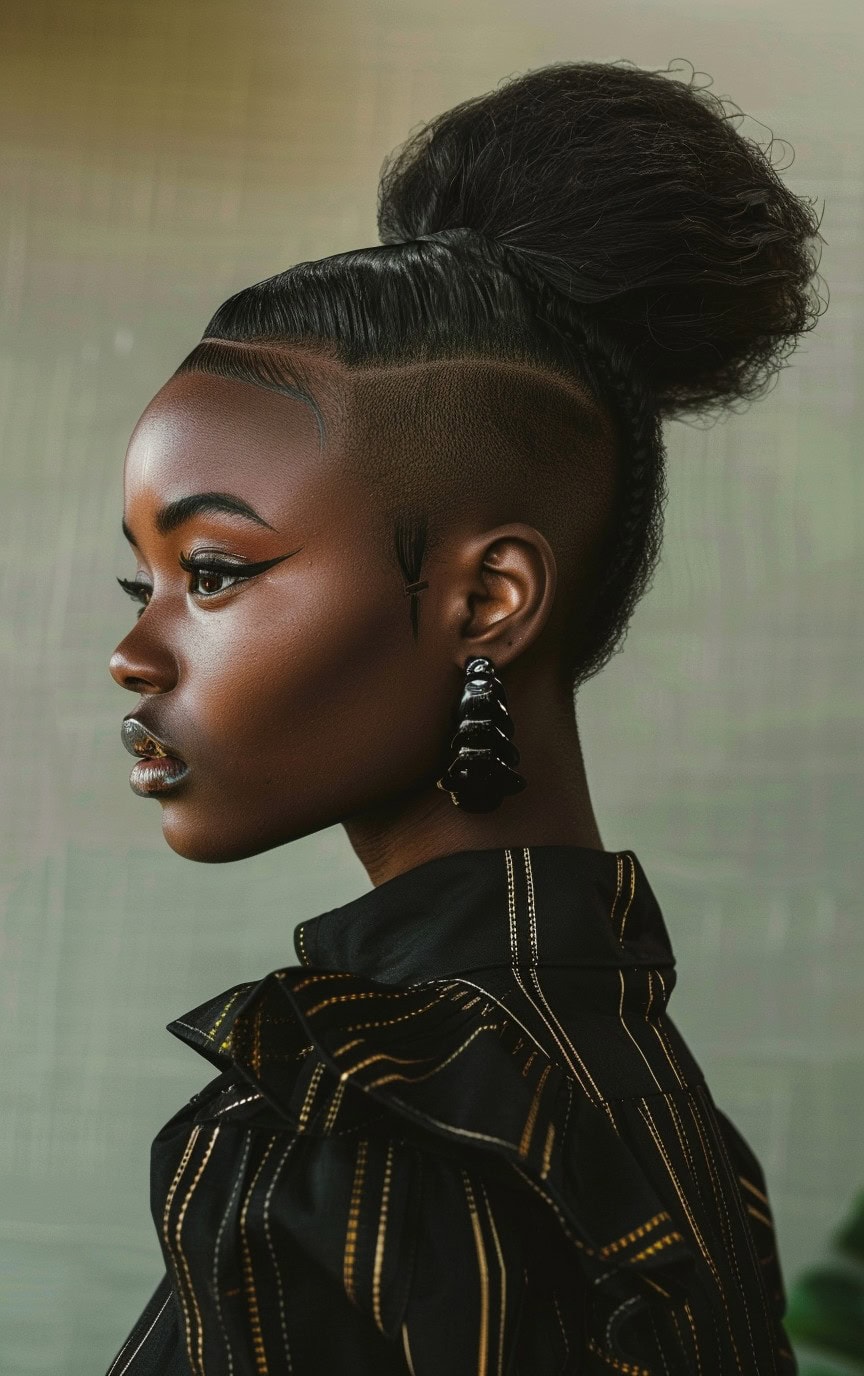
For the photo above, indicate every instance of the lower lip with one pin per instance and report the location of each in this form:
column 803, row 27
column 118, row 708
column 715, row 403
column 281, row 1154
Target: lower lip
column 157, row 774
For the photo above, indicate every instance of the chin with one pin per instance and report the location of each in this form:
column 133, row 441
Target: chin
column 211, row 846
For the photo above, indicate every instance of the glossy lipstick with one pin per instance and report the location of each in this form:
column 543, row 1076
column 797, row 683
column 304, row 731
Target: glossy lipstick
column 158, row 770
column 157, row 774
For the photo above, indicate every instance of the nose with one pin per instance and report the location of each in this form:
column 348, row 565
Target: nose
column 142, row 667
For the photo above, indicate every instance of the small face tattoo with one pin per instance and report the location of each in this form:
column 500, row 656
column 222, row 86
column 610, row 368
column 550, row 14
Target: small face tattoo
column 410, row 535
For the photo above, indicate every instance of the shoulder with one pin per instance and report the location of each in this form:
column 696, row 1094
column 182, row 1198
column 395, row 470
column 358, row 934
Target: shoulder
column 445, row 1071
column 418, row 1144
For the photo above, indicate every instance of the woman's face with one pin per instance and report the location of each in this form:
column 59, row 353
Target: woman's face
column 297, row 697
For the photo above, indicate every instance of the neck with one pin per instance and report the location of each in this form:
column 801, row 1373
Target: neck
column 554, row 809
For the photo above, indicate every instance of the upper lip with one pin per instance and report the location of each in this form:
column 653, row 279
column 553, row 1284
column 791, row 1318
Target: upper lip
column 140, row 740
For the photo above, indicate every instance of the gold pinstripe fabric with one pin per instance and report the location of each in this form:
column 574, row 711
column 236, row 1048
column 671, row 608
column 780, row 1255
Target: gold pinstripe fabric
column 350, row 1254
column 249, row 1271
column 502, row 1281
column 483, row 1274
column 463, row 1135
column 380, row 1240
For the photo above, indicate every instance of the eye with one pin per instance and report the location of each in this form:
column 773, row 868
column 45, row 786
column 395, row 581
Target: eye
column 137, row 590
column 208, row 572
column 202, row 569
column 214, row 570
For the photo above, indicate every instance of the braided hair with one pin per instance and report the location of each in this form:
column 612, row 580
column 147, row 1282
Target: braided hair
column 603, row 224
column 634, row 535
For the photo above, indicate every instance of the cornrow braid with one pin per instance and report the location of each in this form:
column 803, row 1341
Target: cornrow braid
column 635, row 532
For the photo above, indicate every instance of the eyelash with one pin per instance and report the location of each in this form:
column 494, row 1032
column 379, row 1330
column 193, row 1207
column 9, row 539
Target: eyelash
column 137, row 590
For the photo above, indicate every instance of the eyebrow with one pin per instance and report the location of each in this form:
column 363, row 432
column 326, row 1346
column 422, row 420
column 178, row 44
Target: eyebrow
column 175, row 514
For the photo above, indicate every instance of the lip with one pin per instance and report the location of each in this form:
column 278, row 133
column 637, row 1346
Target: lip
column 138, row 739
column 156, row 775
column 159, row 769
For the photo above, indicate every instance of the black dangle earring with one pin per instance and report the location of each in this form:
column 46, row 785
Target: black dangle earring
column 482, row 771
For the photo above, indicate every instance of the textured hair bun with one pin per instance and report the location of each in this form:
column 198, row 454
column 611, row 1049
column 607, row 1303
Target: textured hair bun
column 632, row 194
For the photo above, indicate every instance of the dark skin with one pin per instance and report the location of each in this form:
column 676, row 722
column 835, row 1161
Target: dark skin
column 299, row 697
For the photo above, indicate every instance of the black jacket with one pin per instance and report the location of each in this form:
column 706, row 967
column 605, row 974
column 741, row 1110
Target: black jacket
column 463, row 1137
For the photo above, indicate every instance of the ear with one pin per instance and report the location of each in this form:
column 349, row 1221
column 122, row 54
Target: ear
column 502, row 593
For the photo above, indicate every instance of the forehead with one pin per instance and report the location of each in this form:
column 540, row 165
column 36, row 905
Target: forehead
column 205, row 431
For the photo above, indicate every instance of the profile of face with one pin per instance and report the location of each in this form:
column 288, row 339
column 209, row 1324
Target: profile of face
column 289, row 680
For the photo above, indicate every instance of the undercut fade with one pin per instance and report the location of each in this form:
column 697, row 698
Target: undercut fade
column 593, row 225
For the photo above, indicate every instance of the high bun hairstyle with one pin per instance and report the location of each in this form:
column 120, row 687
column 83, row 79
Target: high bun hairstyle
column 604, row 223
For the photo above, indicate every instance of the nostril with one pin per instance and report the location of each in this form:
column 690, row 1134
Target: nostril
column 143, row 666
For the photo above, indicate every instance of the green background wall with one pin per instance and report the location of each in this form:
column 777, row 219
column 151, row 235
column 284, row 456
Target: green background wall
column 154, row 158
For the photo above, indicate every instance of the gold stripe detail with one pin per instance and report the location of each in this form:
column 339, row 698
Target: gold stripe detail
column 177, row 1176
column 514, row 965
column 502, row 1271
column 532, row 920
column 301, row 942
column 311, row 1091
column 662, row 1033
column 415, row 1079
column 346, row 1046
column 636, row 1233
column 752, row 1188
column 354, row 996
column 249, row 1272
column 728, row 1222
column 655, row 1286
column 528, row 1130
column 335, row 1104
column 483, row 1271
column 400, row 1017
column 619, row 874
column 382, row 1056
column 256, row 1039
column 630, row 1034
column 763, row 1218
column 547, row 1151
column 221, row 1018
column 674, row 1318
column 180, row 1217
column 407, row 1348
column 630, row 899
column 266, row 1212
column 465, row 1132
column 311, row 979
column 629, row 1368
column 350, row 1257
column 683, row 1141
column 379, row 1241
column 193, row 1137
column 658, row 1141
column 563, row 1330
column 717, row 1190
column 689, row 1313
column 657, row 1246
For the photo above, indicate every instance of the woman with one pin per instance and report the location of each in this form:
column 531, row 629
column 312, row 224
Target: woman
column 390, row 512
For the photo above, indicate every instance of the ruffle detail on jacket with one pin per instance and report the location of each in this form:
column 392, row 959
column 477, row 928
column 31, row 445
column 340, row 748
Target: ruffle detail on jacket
column 449, row 1062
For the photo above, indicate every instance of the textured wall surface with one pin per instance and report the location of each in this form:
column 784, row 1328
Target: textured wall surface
column 154, row 158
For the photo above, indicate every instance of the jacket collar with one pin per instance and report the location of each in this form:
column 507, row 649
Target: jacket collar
column 459, row 912
column 473, row 910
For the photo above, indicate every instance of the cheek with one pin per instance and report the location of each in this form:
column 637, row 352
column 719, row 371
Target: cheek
column 331, row 690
